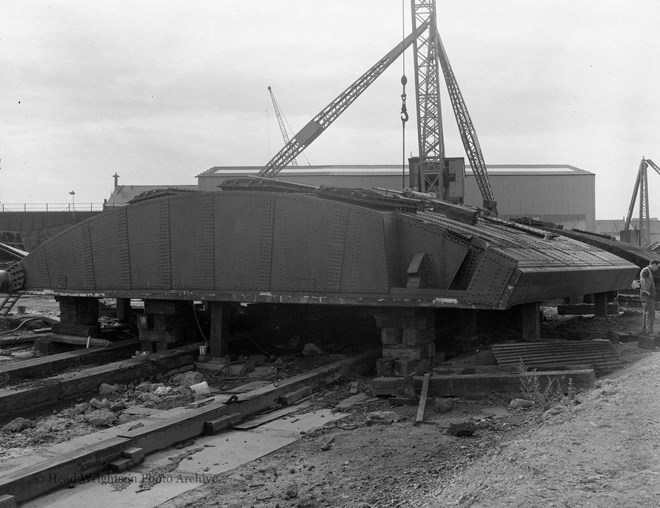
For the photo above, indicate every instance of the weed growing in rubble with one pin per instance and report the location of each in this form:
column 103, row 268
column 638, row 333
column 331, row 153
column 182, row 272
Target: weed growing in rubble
column 532, row 388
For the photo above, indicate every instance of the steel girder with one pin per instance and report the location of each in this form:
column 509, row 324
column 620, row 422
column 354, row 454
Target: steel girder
column 315, row 247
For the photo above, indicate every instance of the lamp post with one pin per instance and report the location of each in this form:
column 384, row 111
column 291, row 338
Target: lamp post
column 73, row 200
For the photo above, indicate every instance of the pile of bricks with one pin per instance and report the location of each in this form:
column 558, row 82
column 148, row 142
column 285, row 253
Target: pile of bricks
column 408, row 338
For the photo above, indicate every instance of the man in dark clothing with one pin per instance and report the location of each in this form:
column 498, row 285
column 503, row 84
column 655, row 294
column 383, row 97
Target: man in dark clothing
column 647, row 295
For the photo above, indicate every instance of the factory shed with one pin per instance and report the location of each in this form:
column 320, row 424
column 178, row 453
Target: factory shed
column 561, row 194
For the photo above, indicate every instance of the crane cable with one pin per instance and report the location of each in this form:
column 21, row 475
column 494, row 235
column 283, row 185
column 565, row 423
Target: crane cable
column 404, row 109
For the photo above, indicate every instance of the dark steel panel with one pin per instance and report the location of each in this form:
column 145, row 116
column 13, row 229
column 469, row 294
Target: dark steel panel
column 192, row 248
column 446, row 254
column 146, row 245
column 166, row 248
column 106, row 250
column 337, row 248
column 266, row 244
column 491, row 276
column 365, row 267
column 35, row 268
column 241, row 222
column 322, row 245
column 294, row 246
column 124, row 252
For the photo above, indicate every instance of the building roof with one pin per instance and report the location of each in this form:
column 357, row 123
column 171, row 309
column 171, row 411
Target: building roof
column 379, row 169
column 122, row 194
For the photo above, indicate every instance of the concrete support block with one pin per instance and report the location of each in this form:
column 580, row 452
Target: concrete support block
column 412, row 337
column 391, row 336
column 218, row 339
column 385, row 367
column 124, row 310
column 408, row 367
column 467, row 322
column 531, row 321
column 600, row 304
column 644, row 342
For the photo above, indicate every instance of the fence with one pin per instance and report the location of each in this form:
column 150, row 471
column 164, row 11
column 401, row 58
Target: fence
column 51, row 207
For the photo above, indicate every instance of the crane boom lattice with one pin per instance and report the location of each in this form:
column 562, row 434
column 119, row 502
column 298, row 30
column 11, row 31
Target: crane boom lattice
column 280, row 122
column 467, row 130
column 331, row 112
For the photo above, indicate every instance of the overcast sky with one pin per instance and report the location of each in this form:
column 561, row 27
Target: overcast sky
column 159, row 91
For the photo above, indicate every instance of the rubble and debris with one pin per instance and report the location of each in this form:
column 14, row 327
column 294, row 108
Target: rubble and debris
column 443, row 405
column 463, row 429
column 18, row 424
column 186, row 379
column 521, row 403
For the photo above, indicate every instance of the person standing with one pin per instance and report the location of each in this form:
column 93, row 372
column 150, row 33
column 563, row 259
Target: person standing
column 647, row 295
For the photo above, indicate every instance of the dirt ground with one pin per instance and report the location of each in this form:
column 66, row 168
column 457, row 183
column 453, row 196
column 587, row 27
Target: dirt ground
column 598, row 449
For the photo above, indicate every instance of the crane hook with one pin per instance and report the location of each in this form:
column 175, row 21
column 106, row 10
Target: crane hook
column 404, row 109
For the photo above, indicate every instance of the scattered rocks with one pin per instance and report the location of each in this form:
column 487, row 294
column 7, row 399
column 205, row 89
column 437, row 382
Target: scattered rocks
column 105, row 389
column 200, row 388
column 78, row 409
column 144, row 387
column 521, row 403
column 117, row 406
column 291, row 493
column 18, row 425
column 554, row 411
column 463, row 429
column 186, row 379
column 162, row 390
column 150, row 398
column 443, row 405
column 101, row 418
column 328, row 444
column 383, row 417
column 311, row 349
column 98, row 404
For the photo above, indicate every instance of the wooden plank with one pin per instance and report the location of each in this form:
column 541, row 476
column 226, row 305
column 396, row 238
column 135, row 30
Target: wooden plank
column 89, row 459
column 40, row 367
column 422, row 398
column 272, row 415
column 78, row 341
column 56, row 390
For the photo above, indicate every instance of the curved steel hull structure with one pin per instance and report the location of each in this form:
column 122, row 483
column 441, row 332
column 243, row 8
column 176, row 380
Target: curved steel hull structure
column 248, row 245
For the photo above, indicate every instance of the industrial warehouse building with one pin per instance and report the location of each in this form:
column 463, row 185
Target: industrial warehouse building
column 561, row 194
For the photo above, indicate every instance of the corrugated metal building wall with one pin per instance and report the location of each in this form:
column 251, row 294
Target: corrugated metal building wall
column 561, row 194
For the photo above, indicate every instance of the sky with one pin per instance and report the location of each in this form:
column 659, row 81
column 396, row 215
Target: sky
column 159, row 91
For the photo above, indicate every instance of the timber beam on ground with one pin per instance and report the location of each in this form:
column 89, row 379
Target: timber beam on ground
column 456, row 385
column 56, row 390
column 583, row 309
column 36, row 368
column 86, row 456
